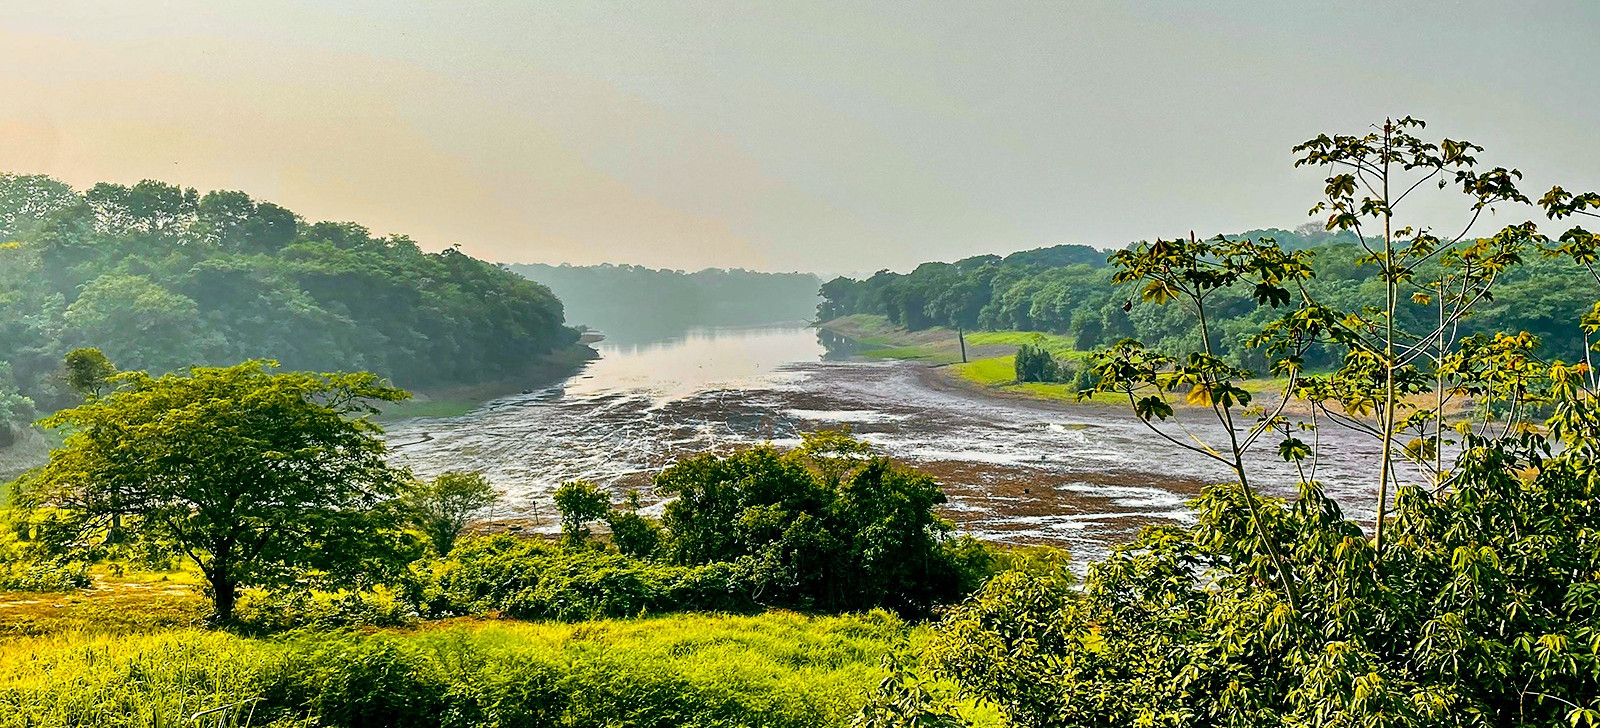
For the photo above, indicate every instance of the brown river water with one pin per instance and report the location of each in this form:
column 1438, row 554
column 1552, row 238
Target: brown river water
column 1082, row 476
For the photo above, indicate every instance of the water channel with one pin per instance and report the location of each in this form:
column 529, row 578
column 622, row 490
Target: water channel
column 1080, row 476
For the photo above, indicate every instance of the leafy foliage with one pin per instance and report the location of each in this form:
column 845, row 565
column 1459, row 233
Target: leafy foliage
column 1471, row 605
column 43, row 575
column 1480, row 613
column 825, row 526
column 533, row 580
column 441, row 509
column 1079, row 299
column 88, row 372
column 1035, row 364
column 161, row 277
column 259, row 477
column 580, row 503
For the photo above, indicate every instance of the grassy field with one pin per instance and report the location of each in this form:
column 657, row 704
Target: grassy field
column 991, row 355
column 991, row 364
column 132, row 652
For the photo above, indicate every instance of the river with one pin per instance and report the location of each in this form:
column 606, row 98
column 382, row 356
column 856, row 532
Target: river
column 1080, row 476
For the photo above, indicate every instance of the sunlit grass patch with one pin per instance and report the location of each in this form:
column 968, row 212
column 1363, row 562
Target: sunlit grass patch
column 1059, row 345
column 773, row 669
column 107, row 606
column 993, row 372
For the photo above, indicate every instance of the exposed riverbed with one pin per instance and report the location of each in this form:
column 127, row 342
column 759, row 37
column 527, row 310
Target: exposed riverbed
column 1081, row 476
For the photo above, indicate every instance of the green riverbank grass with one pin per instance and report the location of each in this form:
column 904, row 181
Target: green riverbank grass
column 991, row 364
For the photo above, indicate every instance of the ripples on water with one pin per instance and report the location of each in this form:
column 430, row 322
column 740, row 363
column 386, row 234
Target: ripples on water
column 1082, row 476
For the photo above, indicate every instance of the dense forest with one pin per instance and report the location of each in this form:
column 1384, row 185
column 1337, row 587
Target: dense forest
column 161, row 277
column 630, row 301
column 1068, row 290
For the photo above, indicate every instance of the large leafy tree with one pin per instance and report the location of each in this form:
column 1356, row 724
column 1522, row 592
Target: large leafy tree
column 260, row 477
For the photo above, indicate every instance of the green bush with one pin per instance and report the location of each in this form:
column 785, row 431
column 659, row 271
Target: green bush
column 632, row 533
column 827, row 526
column 1035, row 364
column 277, row 610
column 43, row 575
column 535, row 580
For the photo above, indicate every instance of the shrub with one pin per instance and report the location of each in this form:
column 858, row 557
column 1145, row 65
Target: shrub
column 825, row 526
column 44, row 575
column 632, row 533
column 1035, row 364
column 277, row 610
column 535, row 580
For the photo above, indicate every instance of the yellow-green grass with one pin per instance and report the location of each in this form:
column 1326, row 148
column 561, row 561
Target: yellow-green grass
column 777, row 669
column 999, row 373
column 996, row 371
column 1058, row 345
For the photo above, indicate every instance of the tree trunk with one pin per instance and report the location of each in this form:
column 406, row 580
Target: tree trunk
column 224, row 593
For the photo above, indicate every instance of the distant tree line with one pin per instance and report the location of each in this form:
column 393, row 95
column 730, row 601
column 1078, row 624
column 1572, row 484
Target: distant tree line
column 162, row 277
column 1067, row 289
column 625, row 299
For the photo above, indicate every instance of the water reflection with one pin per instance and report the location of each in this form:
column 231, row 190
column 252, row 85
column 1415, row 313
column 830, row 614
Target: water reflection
column 695, row 360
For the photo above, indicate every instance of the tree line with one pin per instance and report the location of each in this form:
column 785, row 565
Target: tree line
column 1069, row 289
column 161, row 277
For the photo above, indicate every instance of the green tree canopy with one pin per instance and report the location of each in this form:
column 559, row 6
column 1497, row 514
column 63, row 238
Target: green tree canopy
column 443, row 507
column 88, row 371
column 260, row 477
column 161, row 277
column 827, row 525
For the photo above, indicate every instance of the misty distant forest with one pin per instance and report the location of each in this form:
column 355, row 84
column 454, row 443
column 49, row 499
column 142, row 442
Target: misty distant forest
column 633, row 303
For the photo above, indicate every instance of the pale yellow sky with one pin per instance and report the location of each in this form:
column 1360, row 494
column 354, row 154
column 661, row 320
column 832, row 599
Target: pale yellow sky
column 837, row 137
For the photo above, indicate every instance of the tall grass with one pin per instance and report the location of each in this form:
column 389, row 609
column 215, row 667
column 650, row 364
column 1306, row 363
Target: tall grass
column 774, row 669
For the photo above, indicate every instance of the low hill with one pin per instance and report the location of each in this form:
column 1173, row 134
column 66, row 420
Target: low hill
column 162, row 277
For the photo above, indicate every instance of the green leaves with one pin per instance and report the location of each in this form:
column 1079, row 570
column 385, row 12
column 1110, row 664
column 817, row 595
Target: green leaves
column 260, row 477
column 1293, row 449
column 1152, row 407
column 1470, row 619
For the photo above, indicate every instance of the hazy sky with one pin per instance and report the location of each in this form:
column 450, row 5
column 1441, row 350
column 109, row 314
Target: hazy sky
column 837, row 137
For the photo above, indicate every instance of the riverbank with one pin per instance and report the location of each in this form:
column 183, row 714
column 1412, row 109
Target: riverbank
column 457, row 401
column 990, row 366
